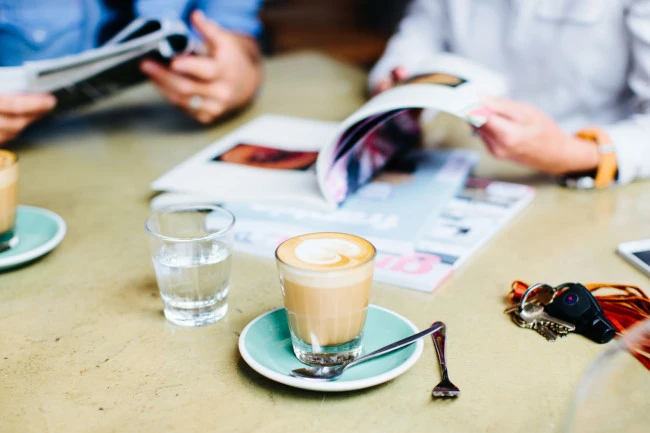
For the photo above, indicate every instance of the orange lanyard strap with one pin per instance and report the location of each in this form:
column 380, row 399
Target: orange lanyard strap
column 624, row 306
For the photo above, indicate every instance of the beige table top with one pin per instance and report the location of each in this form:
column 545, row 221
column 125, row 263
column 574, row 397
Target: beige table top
column 84, row 346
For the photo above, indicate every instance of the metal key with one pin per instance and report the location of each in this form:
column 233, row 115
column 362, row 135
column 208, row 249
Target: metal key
column 527, row 315
column 530, row 314
column 537, row 294
column 545, row 331
column 535, row 313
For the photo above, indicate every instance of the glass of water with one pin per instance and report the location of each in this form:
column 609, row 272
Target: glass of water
column 191, row 249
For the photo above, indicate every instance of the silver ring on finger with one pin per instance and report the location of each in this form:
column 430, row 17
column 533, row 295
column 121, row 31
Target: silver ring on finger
column 195, row 103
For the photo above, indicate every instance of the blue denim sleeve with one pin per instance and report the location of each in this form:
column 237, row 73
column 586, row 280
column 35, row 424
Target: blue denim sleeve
column 239, row 16
column 34, row 29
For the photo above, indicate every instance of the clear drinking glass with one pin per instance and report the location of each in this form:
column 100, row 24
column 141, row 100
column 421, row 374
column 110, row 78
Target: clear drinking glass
column 614, row 393
column 326, row 308
column 191, row 249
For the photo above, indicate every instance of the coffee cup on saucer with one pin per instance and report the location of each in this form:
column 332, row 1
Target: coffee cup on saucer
column 326, row 280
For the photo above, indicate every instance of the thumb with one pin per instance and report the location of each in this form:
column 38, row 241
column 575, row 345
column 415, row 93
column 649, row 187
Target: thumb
column 399, row 74
column 210, row 31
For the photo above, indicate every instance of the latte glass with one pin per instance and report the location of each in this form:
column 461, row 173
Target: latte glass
column 8, row 199
column 191, row 249
column 326, row 299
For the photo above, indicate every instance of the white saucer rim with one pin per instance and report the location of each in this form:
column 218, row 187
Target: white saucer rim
column 41, row 250
column 333, row 386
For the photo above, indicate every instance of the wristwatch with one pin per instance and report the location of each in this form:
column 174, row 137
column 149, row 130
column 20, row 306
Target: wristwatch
column 607, row 171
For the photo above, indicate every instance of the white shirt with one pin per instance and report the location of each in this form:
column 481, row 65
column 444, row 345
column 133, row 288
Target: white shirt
column 584, row 62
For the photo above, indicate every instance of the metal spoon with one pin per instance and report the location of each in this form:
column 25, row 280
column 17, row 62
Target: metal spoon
column 334, row 372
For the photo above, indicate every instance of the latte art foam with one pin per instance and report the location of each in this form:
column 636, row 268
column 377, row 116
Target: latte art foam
column 326, row 251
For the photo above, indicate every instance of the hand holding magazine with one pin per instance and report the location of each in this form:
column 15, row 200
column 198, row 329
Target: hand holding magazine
column 82, row 78
column 319, row 164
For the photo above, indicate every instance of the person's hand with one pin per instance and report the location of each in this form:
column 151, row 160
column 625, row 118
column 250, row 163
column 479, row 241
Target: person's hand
column 396, row 76
column 520, row 132
column 18, row 111
column 209, row 86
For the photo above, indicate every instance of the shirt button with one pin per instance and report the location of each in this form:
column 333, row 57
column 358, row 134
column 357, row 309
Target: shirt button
column 39, row 35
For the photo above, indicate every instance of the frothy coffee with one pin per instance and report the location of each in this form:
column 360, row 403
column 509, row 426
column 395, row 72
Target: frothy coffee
column 325, row 251
column 8, row 190
column 326, row 280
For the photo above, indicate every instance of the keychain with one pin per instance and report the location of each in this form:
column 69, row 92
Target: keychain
column 597, row 311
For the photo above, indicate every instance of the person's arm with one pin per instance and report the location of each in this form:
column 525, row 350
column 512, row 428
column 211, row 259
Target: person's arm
column 228, row 76
column 420, row 35
column 520, row 132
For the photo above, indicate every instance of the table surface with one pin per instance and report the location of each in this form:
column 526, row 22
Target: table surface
column 84, row 345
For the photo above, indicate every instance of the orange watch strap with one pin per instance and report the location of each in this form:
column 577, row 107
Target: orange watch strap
column 608, row 165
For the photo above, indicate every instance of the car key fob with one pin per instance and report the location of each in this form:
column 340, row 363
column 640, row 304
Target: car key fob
column 577, row 305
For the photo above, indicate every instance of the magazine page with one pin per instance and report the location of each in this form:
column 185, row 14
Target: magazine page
column 394, row 206
column 472, row 218
column 446, row 83
column 13, row 79
column 270, row 159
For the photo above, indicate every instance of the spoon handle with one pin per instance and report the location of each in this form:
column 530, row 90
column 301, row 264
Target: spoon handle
column 397, row 345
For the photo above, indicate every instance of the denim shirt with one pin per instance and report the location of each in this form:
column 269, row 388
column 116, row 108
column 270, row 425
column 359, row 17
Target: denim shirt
column 43, row 29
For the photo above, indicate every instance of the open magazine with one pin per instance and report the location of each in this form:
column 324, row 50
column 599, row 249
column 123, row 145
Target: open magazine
column 442, row 244
column 319, row 164
column 85, row 77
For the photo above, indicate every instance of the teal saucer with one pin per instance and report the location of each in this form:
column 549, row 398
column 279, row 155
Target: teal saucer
column 39, row 232
column 265, row 345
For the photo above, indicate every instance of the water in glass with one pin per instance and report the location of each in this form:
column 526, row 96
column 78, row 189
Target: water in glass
column 194, row 281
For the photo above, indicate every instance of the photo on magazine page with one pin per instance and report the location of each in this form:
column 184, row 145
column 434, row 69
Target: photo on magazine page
column 255, row 155
column 435, row 78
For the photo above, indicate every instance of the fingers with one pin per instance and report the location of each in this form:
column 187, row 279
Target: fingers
column 500, row 127
column 501, row 135
column 491, row 144
column 170, row 81
column 513, row 110
column 210, row 31
column 399, row 74
column 382, row 86
column 26, row 104
column 11, row 126
column 207, row 112
column 180, row 91
column 396, row 75
column 202, row 68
